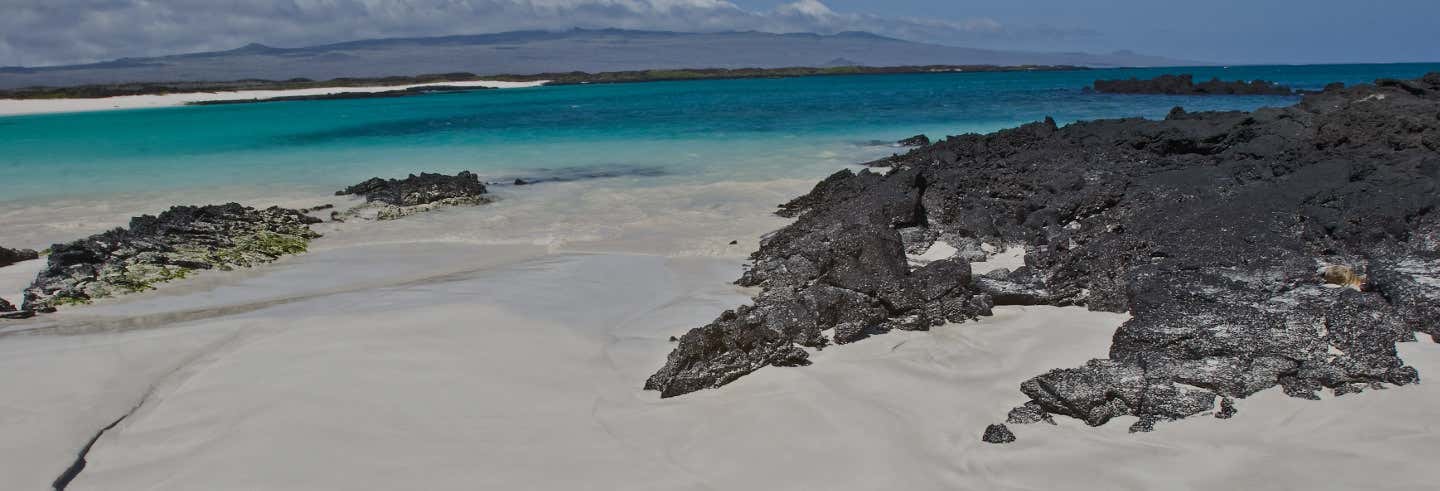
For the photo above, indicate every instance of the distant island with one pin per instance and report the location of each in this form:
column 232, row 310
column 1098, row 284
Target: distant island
column 417, row 85
column 1184, row 84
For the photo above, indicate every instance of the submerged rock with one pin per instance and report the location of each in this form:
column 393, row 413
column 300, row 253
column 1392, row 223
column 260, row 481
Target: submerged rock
column 1185, row 85
column 1290, row 247
column 998, row 434
column 12, row 256
column 396, row 198
column 155, row 249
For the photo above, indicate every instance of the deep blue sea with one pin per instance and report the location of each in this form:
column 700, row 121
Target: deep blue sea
column 721, row 129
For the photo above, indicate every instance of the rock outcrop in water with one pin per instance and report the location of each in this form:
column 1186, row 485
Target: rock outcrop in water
column 156, row 249
column 12, row 256
column 1185, row 85
column 1290, row 247
column 914, row 141
column 396, row 198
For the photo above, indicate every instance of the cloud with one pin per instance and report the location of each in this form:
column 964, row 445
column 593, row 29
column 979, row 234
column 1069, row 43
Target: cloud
column 47, row 32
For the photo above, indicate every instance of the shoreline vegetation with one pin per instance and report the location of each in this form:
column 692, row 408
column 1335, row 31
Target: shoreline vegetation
column 559, row 78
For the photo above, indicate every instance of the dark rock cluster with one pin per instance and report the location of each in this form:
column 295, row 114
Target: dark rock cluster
column 423, row 189
column 915, row 141
column 396, row 198
column 160, row 248
column 1185, row 85
column 1290, row 247
column 998, row 434
column 12, row 256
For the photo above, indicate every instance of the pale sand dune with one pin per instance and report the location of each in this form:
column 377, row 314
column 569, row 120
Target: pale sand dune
column 498, row 369
column 16, row 107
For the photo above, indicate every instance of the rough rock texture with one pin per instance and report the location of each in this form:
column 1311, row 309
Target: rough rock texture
column 1185, row 85
column 12, row 256
column 998, row 434
column 1289, row 247
column 397, row 198
column 6, row 306
column 160, row 248
column 915, row 141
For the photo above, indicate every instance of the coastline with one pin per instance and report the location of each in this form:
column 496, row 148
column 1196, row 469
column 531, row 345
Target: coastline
column 20, row 107
column 490, row 346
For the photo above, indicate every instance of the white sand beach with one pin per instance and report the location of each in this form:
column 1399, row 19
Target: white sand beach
column 16, row 107
column 402, row 354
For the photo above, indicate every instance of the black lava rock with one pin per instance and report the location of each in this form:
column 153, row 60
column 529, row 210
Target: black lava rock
column 12, row 256
column 1288, row 247
column 1029, row 413
column 155, row 249
column 6, row 306
column 915, row 141
column 418, row 190
column 1185, row 85
column 1227, row 409
column 998, row 434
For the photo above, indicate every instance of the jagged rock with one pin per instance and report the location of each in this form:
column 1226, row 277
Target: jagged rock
column 6, row 306
column 915, row 141
column 12, row 256
column 1146, row 424
column 1227, row 409
column 1217, row 231
column 156, row 249
column 397, row 198
column 998, row 434
column 1029, row 413
column 1185, row 85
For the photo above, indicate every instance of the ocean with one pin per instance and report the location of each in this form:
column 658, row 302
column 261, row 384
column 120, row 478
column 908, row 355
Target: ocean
column 641, row 135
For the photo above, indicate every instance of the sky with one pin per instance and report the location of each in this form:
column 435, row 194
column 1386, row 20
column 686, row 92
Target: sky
column 53, row 32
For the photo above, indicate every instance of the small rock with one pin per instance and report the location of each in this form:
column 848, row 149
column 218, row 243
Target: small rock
column 6, row 306
column 915, row 141
column 18, row 314
column 734, row 242
column 998, row 434
column 1145, row 425
column 674, row 339
column 520, row 182
column 1030, row 413
column 1227, row 408
column 12, row 256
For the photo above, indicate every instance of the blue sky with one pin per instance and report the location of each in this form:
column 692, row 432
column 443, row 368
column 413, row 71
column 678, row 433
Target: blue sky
column 47, row 32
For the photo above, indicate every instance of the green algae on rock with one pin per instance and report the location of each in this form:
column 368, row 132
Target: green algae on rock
column 171, row 246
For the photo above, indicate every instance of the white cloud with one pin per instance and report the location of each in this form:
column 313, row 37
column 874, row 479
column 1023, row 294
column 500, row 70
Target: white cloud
column 45, row 32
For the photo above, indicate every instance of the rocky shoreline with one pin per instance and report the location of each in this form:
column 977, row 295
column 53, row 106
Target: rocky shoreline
column 1184, row 84
column 1290, row 247
column 186, row 239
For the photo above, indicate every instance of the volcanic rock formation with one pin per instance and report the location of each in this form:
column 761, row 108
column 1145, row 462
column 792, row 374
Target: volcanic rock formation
column 1290, row 247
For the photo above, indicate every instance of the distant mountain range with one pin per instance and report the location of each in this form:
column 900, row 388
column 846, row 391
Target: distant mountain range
column 528, row 52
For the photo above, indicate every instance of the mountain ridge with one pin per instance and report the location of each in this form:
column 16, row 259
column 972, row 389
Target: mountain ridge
column 532, row 51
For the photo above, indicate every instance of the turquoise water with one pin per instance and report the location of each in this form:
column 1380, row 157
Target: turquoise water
column 704, row 130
